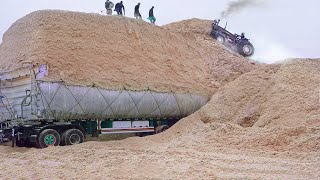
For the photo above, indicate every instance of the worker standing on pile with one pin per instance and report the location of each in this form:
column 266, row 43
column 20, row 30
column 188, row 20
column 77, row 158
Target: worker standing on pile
column 137, row 14
column 151, row 16
column 119, row 7
column 109, row 5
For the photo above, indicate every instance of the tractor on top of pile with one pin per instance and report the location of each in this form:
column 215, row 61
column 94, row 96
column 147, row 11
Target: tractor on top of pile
column 235, row 42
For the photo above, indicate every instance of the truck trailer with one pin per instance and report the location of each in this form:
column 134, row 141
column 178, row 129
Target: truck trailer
column 36, row 112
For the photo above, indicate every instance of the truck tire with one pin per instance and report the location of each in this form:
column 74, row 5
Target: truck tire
column 63, row 137
column 161, row 129
column 245, row 48
column 73, row 136
column 48, row 137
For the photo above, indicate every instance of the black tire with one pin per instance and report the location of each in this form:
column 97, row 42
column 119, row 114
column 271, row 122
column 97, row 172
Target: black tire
column 63, row 137
column 161, row 129
column 48, row 137
column 73, row 136
column 246, row 49
column 220, row 38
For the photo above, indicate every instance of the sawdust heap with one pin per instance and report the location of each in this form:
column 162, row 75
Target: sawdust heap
column 276, row 95
column 264, row 124
column 118, row 52
column 276, row 107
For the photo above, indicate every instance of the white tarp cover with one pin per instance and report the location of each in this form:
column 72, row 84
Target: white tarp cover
column 60, row 101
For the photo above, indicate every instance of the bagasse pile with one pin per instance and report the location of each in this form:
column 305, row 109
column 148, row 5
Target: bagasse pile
column 276, row 107
column 277, row 95
column 118, row 52
column 263, row 124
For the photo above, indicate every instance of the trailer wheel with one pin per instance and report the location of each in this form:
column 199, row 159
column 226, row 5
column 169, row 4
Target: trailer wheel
column 161, row 129
column 48, row 137
column 73, row 136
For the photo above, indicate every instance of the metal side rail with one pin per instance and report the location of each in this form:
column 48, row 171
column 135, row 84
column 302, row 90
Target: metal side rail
column 127, row 130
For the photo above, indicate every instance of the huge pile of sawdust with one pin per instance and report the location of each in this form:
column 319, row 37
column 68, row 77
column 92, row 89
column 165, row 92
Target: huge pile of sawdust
column 276, row 95
column 263, row 125
column 118, row 52
column 274, row 107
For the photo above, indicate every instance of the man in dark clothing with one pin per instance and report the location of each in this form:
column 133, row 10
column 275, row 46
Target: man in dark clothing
column 151, row 16
column 137, row 14
column 109, row 5
column 119, row 7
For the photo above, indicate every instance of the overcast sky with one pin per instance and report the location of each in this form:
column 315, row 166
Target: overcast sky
column 278, row 29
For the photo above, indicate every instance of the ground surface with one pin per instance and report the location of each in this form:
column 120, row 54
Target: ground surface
column 140, row 159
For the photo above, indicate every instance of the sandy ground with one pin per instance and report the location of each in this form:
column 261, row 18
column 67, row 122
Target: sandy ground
column 137, row 158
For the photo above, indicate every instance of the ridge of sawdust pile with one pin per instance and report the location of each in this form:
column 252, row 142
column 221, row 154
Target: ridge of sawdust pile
column 264, row 124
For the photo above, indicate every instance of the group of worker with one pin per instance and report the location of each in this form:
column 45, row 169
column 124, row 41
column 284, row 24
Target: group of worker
column 119, row 8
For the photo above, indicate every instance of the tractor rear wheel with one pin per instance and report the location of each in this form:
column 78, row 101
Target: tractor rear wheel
column 246, row 49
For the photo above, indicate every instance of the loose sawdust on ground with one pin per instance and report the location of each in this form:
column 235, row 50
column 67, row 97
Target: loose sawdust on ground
column 263, row 125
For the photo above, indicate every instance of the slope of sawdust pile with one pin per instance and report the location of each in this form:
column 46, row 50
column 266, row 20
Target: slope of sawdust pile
column 225, row 62
column 118, row 52
column 277, row 95
column 277, row 106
